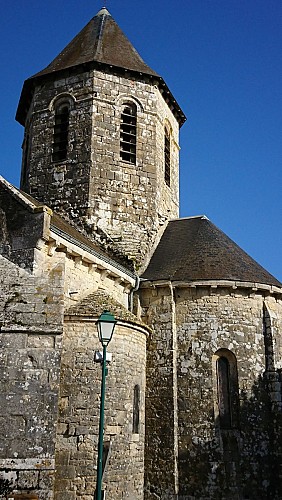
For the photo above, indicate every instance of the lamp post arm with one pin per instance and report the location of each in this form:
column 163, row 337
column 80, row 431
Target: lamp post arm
column 101, row 428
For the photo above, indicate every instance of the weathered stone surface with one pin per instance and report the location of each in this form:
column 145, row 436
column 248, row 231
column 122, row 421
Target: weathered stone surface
column 29, row 369
column 130, row 203
column 76, row 454
column 190, row 326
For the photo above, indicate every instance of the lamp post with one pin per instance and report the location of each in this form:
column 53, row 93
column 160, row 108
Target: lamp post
column 105, row 325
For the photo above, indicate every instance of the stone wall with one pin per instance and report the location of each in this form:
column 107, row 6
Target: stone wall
column 58, row 276
column 63, row 186
column 77, row 439
column 31, row 318
column 23, row 227
column 122, row 204
column 160, row 452
column 82, row 278
column 241, row 461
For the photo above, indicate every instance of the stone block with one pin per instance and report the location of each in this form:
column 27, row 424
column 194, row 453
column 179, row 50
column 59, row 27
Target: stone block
column 28, row 479
column 42, row 341
column 66, row 472
column 46, row 480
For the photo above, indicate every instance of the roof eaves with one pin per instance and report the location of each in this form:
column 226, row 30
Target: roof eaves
column 31, row 82
column 203, row 217
column 90, row 249
column 212, row 283
column 168, row 97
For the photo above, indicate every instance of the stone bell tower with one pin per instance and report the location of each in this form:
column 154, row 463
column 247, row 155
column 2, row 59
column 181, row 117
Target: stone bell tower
column 101, row 140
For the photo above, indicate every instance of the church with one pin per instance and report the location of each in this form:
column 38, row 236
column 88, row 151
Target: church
column 193, row 391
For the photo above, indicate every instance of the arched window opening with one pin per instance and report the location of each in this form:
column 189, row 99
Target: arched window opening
column 268, row 341
column 223, row 392
column 61, row 131
column 227, row 404
column 136, row 409
column 128, row 132
column 167, row 158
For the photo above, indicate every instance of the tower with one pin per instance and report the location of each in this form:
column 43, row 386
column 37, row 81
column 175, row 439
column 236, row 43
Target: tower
column 101, row 140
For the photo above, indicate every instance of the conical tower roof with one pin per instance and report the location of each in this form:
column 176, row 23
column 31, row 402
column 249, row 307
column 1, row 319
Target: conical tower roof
column 194, row 249
column 100, row 43
column 101, row 40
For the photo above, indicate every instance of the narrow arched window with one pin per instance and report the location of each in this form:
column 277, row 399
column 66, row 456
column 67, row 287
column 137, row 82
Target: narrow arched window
column 223, row 392
column 268, row 341
column 167, row 158
column 128, row 132
column 227, row 389
column 61, row 131
column 136, row 409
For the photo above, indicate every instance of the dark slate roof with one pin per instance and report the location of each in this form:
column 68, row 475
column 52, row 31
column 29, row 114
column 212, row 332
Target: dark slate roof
column 194, row 249
column 102, row 42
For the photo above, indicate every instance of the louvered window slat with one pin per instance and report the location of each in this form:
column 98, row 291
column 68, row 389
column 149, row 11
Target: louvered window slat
column 60, row 133
column 128, row 132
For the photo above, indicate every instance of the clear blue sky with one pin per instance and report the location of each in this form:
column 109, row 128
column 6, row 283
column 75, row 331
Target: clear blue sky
column 222, row 59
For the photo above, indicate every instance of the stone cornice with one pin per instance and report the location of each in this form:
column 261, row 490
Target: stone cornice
column 214, row 284
column 93, row 259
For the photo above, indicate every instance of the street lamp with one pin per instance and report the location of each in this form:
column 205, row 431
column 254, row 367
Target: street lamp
column 105, row 325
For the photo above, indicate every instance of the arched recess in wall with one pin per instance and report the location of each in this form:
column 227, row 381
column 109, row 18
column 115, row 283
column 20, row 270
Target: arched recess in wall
column 123, row 99
column 167, row 154
column 268, row 340
column 61, row 106
column 226, row 400
column 136, row 409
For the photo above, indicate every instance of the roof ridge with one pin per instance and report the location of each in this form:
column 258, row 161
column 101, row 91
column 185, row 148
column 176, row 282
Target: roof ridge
column 100, row 30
